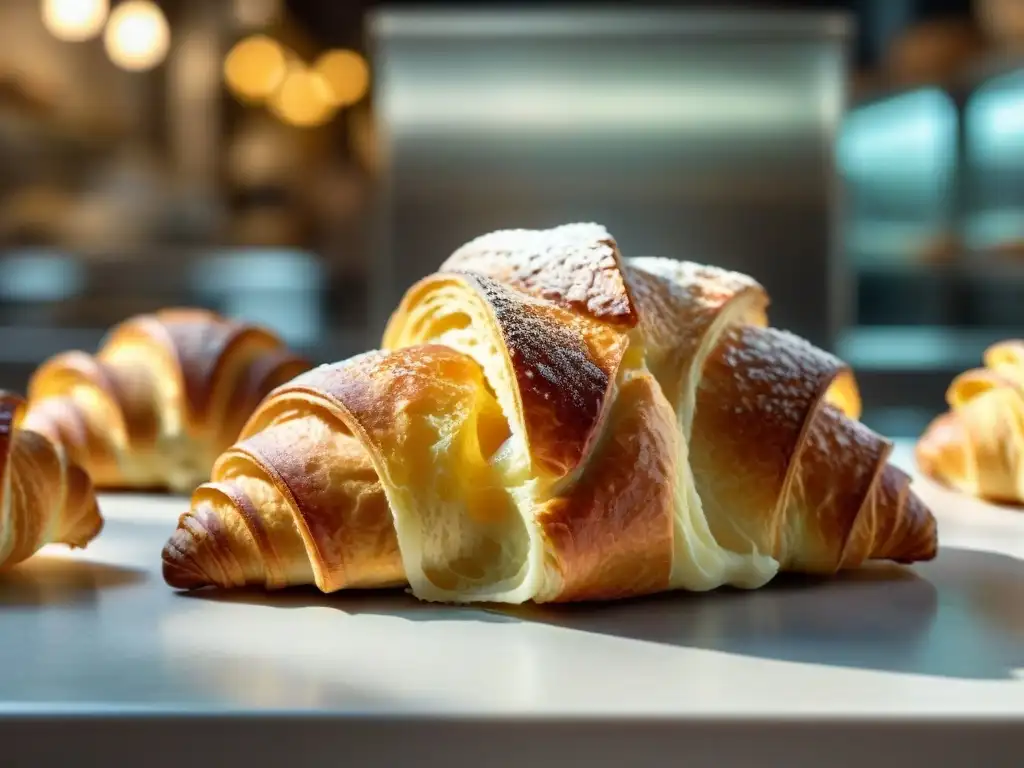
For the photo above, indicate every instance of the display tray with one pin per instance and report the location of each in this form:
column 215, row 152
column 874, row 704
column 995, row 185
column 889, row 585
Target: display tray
column 894, row 665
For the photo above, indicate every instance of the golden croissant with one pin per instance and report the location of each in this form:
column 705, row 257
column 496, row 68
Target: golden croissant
column 44, row 497
column 163, row 397
column 977, row 447
column 547, row 421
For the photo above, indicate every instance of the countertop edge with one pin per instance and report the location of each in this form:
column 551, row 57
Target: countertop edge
column 305, row 740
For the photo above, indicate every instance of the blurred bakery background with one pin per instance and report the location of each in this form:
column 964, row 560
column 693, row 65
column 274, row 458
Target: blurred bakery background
column 300, row 162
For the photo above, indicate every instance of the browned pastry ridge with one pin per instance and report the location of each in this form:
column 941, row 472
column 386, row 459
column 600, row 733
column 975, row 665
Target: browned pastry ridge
column 977, row 446
column 44, row 497
column 548, row 421
column 162, row 398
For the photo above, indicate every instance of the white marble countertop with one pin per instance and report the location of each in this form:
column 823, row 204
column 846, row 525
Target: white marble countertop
column 94, row 639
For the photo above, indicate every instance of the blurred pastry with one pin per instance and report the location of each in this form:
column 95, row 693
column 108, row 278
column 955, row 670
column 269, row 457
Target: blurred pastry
column 163, row 397
column 977, row 447
column 44, row 496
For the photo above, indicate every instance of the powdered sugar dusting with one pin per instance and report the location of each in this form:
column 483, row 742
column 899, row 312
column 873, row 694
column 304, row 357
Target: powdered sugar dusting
column 680, row 300
column 576, row 266
column 694, row 283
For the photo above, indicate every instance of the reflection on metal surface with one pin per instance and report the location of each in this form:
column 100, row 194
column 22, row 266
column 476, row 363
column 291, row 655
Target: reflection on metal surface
column 898, row 158
column 39, row 276
column 276, row 288
column 876, row 618
column 995, row 162
column 923, row 347
column 703, row 136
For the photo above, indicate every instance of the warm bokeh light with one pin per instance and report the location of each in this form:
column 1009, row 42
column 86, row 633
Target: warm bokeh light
column 346, row 73
column 75, row 20
column 255, row 67
column 137, row 36
column 304, row 99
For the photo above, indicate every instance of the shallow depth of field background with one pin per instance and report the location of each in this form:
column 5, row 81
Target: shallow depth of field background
column 301, row 163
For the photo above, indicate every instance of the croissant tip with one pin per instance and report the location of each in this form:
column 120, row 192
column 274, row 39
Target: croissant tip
column 180, row 570
column 98, row 525
column 922, row 544
column 84, row 529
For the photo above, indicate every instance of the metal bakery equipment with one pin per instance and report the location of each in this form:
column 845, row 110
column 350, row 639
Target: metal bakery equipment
column 694, row 135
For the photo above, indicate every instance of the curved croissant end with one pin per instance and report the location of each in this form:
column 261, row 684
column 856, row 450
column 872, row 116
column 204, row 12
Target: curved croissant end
column 780, row 465
column 321, row 442
column 296, row 503
column 44, row 498
column 164, row 396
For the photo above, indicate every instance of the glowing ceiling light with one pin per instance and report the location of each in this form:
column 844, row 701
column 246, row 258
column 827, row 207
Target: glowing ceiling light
column 304, row 99
column 137, row 37
column 347, row 74
column 255, row 67
column 75, row 20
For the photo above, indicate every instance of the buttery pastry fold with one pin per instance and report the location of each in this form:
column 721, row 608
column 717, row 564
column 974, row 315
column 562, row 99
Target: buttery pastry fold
column 977, row 446
column 548, row 421
column 162, row 398
column 44, row 497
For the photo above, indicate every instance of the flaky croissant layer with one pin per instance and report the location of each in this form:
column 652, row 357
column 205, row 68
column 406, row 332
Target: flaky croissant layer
column 44, row 497
column 548, row 422
column 163, row 397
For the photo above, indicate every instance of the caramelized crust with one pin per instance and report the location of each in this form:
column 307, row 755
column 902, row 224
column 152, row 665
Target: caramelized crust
column 329, row 480
column 906, row 538
column 837, row 470
column 403, row 407
column 780, row 465
column 760, row 389
column 611, row 537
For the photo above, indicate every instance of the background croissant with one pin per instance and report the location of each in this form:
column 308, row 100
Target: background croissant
column 548, row 422
column 977, row 447
column 163, row 397
column 44, row 497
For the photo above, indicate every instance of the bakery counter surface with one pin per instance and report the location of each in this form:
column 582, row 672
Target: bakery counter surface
column 898, row 666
